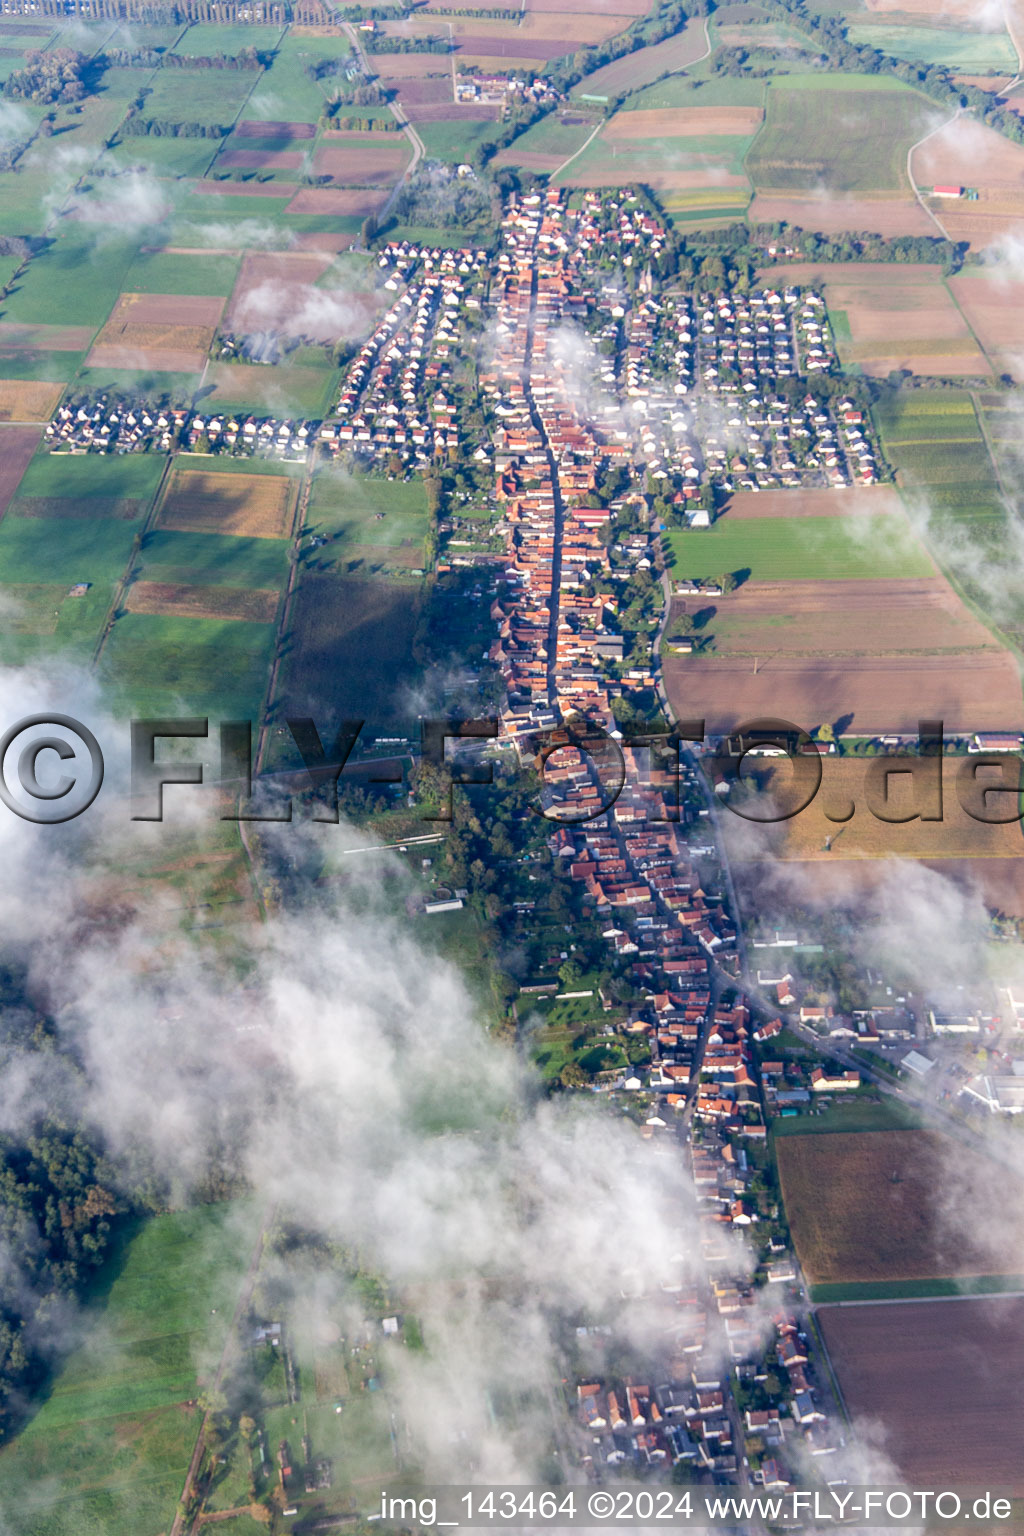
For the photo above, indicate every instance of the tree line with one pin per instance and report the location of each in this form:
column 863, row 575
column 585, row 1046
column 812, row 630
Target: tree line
column 159, row 58
column 386, row 44
column 136, row 126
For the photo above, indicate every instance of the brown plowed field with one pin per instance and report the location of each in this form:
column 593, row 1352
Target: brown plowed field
column 421, row 93
column 260, row 160
column 28, row 399
column 869, row 1205
column 257, row 605
column 920, row 1368
column 463, row 112
column 682, row 122
column 160, row 331
column 512, row 46
column 650, row 168
column 245, row 188
column 994, row 306
column 987, row 222
column 832, row 215
column 17, row 445
column 323, row 240
column 250, row 506
column 370, row 165
column 274, row 130
column 138, row 355
column 836, row 619
column 636, row 69
column 811, row 836
column 44, row 338
column 529, row 160
column 415, row 66
column 165, row 309
column 279, row 289
column 816, row 501
column 966, row 153
column 338, row 201
column 979, row 692
column 899, row 317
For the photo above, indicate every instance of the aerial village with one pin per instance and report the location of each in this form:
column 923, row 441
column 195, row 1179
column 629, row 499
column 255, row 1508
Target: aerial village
column 580, row 374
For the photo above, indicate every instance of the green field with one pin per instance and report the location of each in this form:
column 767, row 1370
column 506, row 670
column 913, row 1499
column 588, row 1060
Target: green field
column 65, row 551
column 75, row 281
column 131, row 383
column 165, row 157
column 799, row 149
column 107, row 1451
column 93, row 475
column 204, row 96
column 682, row 91
column 217, row 559
column 157, row 665
column 285, row 91
column 550, row 137
column 204, row 39
column 371, row 523
column 808, row 548
column 456, row 141
column 889, row 1115
column 22, row 210
column 969, row 53
column 284, row 390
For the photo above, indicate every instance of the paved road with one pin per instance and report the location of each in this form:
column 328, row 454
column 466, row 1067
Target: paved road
column 418, row 150
column 910, row 174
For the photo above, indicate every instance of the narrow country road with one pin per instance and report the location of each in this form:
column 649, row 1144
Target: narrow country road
column 910, row 171
column 418, row 150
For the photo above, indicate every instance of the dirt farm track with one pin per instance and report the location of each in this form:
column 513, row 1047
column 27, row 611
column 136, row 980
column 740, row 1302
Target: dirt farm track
column 945, row 1379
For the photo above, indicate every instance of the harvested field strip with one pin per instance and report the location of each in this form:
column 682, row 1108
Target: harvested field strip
column 249, row 129
column 853, row 501
column 44, row 338
column 853, row 782
column 249, row 506
column 24, row 400
column 124, row 509
column 168, row 309
column 866, row 1206
column 897, row 1290
column 258, row 605
column 682, row 122
column 17, row 446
